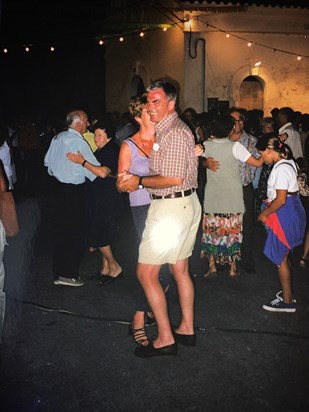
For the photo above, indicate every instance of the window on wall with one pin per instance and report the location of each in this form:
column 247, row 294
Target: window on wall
column 251, row 94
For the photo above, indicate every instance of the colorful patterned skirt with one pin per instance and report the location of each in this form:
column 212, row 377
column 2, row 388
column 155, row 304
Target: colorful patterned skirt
column 285, row 229
column 222, row 237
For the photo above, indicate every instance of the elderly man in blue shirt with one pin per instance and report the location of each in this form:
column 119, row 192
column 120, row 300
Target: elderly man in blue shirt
column 68, row 190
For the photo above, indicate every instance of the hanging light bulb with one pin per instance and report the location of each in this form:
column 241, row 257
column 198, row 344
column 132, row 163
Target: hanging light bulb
column 121, row 39
column 258, row 63
column 5, row 50
column 52, row 49
column 101, row 42
column 27, row 49
column 298, row 58
column 249, row 44
column 164, row 29
column 227, row 35
column 142, row 34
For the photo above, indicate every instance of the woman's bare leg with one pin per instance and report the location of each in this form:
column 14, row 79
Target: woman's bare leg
column 148, row 275
column 285, row 278
column 114, row 268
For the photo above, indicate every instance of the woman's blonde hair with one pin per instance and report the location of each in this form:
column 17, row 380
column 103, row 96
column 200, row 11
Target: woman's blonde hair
column 137, row 104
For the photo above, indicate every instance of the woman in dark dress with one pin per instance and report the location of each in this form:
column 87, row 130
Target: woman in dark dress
column 103, row 200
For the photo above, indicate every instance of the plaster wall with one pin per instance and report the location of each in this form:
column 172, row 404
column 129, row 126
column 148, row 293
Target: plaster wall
column 158, row 54
column 229, row 60
column 226, row 62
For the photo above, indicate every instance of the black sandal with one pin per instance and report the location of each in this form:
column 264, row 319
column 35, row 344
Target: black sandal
column 139, row 336
column 150, row 319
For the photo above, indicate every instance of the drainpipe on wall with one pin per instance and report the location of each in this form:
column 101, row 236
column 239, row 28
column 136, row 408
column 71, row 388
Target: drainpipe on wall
column 194, row 56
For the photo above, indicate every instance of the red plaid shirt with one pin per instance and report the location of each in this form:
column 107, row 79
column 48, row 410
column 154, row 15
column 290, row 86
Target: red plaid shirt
column 174, row 156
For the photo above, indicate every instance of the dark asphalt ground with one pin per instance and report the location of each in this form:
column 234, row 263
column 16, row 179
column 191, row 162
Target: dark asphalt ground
column 68, row 349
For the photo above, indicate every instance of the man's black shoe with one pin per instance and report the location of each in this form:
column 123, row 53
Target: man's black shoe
column 187, row 340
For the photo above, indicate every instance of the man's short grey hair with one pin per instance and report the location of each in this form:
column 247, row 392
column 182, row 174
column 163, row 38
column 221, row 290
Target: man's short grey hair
column 168, row 88
column 73, row 117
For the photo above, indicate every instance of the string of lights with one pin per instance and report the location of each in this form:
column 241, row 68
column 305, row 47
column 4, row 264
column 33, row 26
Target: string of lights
column 141, row 32
column 250, row 43
column 100, row 40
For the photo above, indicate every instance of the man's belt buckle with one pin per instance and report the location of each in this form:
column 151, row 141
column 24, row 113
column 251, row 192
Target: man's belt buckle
column 182, row 193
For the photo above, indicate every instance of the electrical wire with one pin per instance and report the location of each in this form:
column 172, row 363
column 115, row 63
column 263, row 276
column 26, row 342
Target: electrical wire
column 197, row 328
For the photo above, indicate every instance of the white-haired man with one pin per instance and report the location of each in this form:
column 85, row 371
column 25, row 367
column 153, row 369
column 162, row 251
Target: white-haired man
column 68, row 189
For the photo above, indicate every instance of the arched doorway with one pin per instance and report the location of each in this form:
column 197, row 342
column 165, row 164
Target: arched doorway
column 136, row 86
column 251, row 93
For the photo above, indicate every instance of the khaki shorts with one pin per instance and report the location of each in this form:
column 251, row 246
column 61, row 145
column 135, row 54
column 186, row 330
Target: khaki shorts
column 170, row 230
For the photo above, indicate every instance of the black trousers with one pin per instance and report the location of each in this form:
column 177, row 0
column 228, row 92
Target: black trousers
column 247, row 246
column 69, row 228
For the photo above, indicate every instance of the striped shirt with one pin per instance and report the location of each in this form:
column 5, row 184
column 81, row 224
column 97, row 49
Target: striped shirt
column 174, row 156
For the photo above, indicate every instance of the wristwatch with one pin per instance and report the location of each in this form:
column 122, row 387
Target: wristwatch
column 140, row 184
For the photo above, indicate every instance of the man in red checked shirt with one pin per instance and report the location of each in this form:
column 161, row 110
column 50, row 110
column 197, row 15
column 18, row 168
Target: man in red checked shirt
column 172, row 221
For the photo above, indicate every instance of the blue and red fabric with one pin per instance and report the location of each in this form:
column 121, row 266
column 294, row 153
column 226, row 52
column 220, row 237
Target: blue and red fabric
column 285, row 229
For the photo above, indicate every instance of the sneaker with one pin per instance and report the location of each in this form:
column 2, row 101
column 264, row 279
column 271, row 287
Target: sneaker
column 279, row 296
column 277, row 305
column 68, row 282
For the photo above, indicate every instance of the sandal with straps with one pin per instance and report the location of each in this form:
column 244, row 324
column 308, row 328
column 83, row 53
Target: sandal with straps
column 150, row 319
column 139, row 336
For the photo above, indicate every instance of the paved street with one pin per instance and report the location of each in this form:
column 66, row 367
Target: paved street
column 68, row 349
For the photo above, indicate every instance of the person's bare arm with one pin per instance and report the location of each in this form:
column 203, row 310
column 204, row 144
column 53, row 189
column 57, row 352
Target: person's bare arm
column 212, row 164
column 275, row 205
column 253, row 161
column 100, row 171
column 153, row 182
column 282, row 137
column 4, row 183
column 124, row 164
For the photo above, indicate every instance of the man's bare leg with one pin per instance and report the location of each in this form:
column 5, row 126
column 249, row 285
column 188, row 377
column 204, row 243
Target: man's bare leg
column 148, row 275
column 186, row 296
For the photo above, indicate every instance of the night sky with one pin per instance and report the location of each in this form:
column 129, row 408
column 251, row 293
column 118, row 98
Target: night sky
column 47, row 84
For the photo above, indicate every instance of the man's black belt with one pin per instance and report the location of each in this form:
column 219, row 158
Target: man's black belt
column 182, row 193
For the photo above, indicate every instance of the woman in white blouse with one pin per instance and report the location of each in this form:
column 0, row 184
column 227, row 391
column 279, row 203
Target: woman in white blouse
column 284, row 217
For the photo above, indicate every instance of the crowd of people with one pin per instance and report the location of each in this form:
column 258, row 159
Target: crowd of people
column 222, row 172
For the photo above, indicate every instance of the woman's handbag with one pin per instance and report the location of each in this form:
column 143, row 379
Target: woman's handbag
column 8, row 214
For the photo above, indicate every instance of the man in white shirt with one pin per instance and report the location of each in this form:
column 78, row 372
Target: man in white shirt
column 67, row 186
column 287, row 133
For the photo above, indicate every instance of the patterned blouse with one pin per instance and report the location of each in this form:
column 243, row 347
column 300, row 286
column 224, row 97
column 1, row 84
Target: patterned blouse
column 246, row 171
